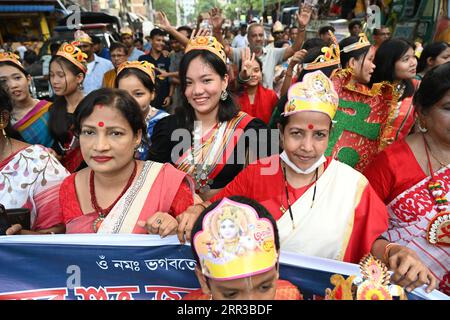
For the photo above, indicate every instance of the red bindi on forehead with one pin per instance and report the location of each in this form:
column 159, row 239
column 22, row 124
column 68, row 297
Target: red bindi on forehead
column 101, row 124
column 310, row 126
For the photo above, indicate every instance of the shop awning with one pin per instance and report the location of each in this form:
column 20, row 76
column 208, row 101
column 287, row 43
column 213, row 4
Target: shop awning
column 26, row 8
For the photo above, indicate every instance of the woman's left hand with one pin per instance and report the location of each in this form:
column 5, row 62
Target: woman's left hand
column 409, row 271
column 14, row 229
column 160, row 223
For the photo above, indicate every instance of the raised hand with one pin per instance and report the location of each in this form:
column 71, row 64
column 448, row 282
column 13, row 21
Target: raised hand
column 216, row 19
column 297, row 57
column 305, row 15
column 200, row 33
column 247, row 64
column 163, row 22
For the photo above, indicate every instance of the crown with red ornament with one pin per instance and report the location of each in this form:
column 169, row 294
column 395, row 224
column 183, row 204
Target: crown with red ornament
column 209, row 43
column 331, row 56
column 74, row 55
column 145, row 66
column 374, row 284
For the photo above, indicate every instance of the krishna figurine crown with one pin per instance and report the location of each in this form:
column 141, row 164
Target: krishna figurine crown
column 374, row 284
column 315, row 93
column 234, row 242
column 209, row 43
column 331, row 56
column 145, row 66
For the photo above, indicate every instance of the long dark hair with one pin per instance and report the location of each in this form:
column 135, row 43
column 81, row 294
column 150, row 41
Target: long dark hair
column 6, row 105
column 185, row 113
column 115, row 98
column 59, row 123
column 389, row 52
column 355, row 54
column 433, row 87
column 430, row 51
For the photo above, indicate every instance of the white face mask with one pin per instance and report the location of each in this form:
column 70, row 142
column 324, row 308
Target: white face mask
column 294, row 167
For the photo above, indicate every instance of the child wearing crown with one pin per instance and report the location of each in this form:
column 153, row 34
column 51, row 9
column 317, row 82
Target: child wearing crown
column 246, row 274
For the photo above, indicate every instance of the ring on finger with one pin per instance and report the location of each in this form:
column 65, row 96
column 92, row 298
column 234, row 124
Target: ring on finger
column 158, row 221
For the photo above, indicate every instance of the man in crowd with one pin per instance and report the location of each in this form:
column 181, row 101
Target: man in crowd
column 119, row 54
column 355, row 27
column 241, row 41
column 380, row 35
column 325, row 35
column 99, row 49
column 162, row 65
column 269, row 56
column 126, row 36
column 96, row 67
column 293, row 32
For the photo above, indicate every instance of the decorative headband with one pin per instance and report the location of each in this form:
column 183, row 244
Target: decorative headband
column 362, row 43
column 315, row 93
column 207, row 43
column 74, row 55
column 144, row 66
column 331, row 56
column 11, row 57
column 234, row 243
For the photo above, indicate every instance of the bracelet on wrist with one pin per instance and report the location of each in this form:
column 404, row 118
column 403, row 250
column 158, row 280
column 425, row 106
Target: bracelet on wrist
column 240, row 80
column 387, row 249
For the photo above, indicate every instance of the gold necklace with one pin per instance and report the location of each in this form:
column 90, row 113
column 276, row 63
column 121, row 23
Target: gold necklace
column 432, row 154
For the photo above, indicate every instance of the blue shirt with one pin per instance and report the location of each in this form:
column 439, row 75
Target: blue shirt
column 135, row 54
column 94, row 75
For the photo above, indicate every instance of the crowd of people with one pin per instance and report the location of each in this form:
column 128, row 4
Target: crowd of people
column 328, row 149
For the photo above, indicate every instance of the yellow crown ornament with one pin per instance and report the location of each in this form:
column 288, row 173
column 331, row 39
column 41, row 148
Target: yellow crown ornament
column 331, row 56
column 362, row 43
column 315, row 93
column 11, row 57
column 209, row 43
column 374, row 284
column 74, row 55
column 145, row 66
column 234, row 242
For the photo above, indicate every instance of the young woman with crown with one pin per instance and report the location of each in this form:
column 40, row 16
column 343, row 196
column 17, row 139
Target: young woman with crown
column 29, row 116
column 67, row 72
column 138, row 79
column 362, row 111
column 207, row 137
column 412, row 178
column 323, row 207
column 117, row 193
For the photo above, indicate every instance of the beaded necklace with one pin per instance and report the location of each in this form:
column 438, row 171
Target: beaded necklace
column 282, row 209
column 201, row 170
column 102, row 213
column 438, row 232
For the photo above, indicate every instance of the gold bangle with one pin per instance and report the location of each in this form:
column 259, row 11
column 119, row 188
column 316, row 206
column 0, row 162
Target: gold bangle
column 387, row 250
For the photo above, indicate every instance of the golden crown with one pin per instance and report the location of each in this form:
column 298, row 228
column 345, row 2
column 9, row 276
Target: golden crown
column 374, row 284
column 144, row 66
column 228, row 213
column 11, row 57
column 74, row 55
column 331, row 56
column 315, row 93
column 251, row 250
column 81, row 36
column 362, row 43
column 207, row 43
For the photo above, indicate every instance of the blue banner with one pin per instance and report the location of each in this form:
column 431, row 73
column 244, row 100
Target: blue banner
column 126, row 267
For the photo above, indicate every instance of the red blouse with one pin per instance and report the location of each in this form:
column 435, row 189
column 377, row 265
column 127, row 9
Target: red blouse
column 71, row 206
column 263, row 105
